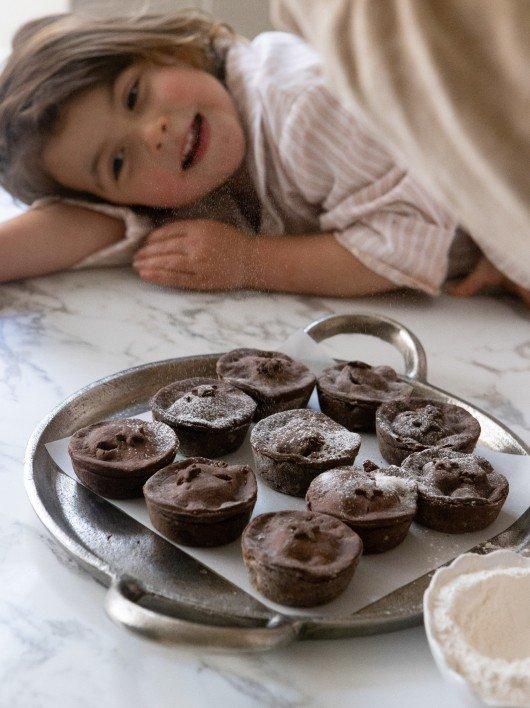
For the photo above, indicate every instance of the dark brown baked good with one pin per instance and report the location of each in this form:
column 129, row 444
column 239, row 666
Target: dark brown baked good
column 274, row 380
column 457, row 492
column 299, row 558
column 200, row 502
column 115, row 458
column 293, row 447
column 210, row 417
column 375, row 502
column 351, row 393
column 404, row 427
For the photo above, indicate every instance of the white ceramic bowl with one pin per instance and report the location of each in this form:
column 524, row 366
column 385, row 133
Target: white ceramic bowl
column 464, row 564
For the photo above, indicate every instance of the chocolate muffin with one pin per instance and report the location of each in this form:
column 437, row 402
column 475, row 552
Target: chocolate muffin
column 200, row 502
column 351, row 393
column 457, row 492
column 210, row 417
column 404, row 427
column 116, row 457
column 374, row 502
column 299, row 558
column 274, row 380
column 293, row 447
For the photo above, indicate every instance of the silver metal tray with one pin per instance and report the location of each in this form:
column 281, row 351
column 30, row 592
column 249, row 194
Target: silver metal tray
column 160, row 591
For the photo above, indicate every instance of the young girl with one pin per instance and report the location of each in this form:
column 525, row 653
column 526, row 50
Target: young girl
column 209, row 162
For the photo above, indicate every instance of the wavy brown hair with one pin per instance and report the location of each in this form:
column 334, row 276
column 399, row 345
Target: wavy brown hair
column 56, row 57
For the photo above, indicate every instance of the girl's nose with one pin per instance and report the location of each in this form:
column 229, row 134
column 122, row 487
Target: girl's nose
column 155, row 133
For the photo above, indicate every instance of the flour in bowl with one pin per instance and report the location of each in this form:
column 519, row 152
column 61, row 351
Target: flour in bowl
column 482, row 623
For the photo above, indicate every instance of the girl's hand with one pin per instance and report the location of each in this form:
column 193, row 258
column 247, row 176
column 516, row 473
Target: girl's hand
column 197, row 254
column 485, row 276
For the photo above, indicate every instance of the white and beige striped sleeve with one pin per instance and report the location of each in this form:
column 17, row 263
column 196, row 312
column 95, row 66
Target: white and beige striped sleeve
column 374, row 207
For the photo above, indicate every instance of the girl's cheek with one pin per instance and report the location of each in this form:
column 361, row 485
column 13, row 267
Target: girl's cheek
column 176, row 88
column 167, row 92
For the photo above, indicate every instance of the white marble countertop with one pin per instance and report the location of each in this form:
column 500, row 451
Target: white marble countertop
column 57, row 646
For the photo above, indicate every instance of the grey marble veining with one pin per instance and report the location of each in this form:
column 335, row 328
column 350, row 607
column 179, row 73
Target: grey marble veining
column 57, row 646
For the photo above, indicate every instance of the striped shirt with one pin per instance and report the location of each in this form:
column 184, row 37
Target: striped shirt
column 316, row 167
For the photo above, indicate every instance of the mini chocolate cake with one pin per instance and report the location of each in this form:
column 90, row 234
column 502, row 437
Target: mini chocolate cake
column 200, row 502
column 116, row 457
column 351, row 393
column 374, row 502
column 299, row 558
column 293, row 447
column 404, row 427
column 274, row 380
column 457, row 492
column 210, row 417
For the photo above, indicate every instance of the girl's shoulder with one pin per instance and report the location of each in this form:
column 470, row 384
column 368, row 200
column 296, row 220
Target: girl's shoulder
column 273, row 66
column 283, row 46
column 274, row 58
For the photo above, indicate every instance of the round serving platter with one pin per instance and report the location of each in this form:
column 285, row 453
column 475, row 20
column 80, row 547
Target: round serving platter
column 159, row 590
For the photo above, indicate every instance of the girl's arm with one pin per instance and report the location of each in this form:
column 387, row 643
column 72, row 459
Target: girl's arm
column 209, row 255
column 312, row 264
column 52, row 238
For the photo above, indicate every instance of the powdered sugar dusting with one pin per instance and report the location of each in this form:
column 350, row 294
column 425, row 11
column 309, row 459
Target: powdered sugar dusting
column 216, row 411
column 123, row 440
column 303, row 432
column 345, row 481
column 405, row 488
column 359, row 381
column 447, row 473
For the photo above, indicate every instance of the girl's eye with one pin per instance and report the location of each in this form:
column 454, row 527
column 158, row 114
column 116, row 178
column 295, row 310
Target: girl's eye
column 117, row 164
column 132, row 96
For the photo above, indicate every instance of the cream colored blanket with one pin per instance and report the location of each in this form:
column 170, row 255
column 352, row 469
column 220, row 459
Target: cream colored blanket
column 447, row 84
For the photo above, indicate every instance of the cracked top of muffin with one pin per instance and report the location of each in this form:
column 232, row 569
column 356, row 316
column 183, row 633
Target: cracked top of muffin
column 201, row 486
column 456, row 475
column 358, row 381
column 366, row 494
column 302, row 541
column 304, row 435
column 203, row 402
column 266, row 374
column 425, row 422
column 128, row 444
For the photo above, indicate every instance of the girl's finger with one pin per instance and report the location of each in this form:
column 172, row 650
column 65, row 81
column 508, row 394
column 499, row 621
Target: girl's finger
column 169, row 231
column 168, row 261
column 170, row 278
column 159, row 248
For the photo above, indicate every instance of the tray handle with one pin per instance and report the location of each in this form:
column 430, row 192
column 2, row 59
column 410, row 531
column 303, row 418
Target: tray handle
column 378, row 326
column 122, row 607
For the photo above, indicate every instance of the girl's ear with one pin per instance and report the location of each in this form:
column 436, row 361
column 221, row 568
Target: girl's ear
column 24, row 33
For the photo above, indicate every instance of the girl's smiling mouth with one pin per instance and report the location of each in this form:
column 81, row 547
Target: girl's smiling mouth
column 195, row 143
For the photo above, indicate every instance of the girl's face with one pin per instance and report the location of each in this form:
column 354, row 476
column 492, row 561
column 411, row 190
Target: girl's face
column 161, row 136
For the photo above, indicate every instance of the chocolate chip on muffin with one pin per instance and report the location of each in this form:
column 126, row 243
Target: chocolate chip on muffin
column 299, row 558
column 351, row 393
column 293, row 447
column 115, row 458
column 457, row 492
column 274, row 380
column 404, row 427
column 377, row 503
column 201, row 502
column 210, row 417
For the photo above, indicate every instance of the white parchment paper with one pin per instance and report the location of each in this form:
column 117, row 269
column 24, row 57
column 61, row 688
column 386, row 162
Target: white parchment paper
column 377, row 575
